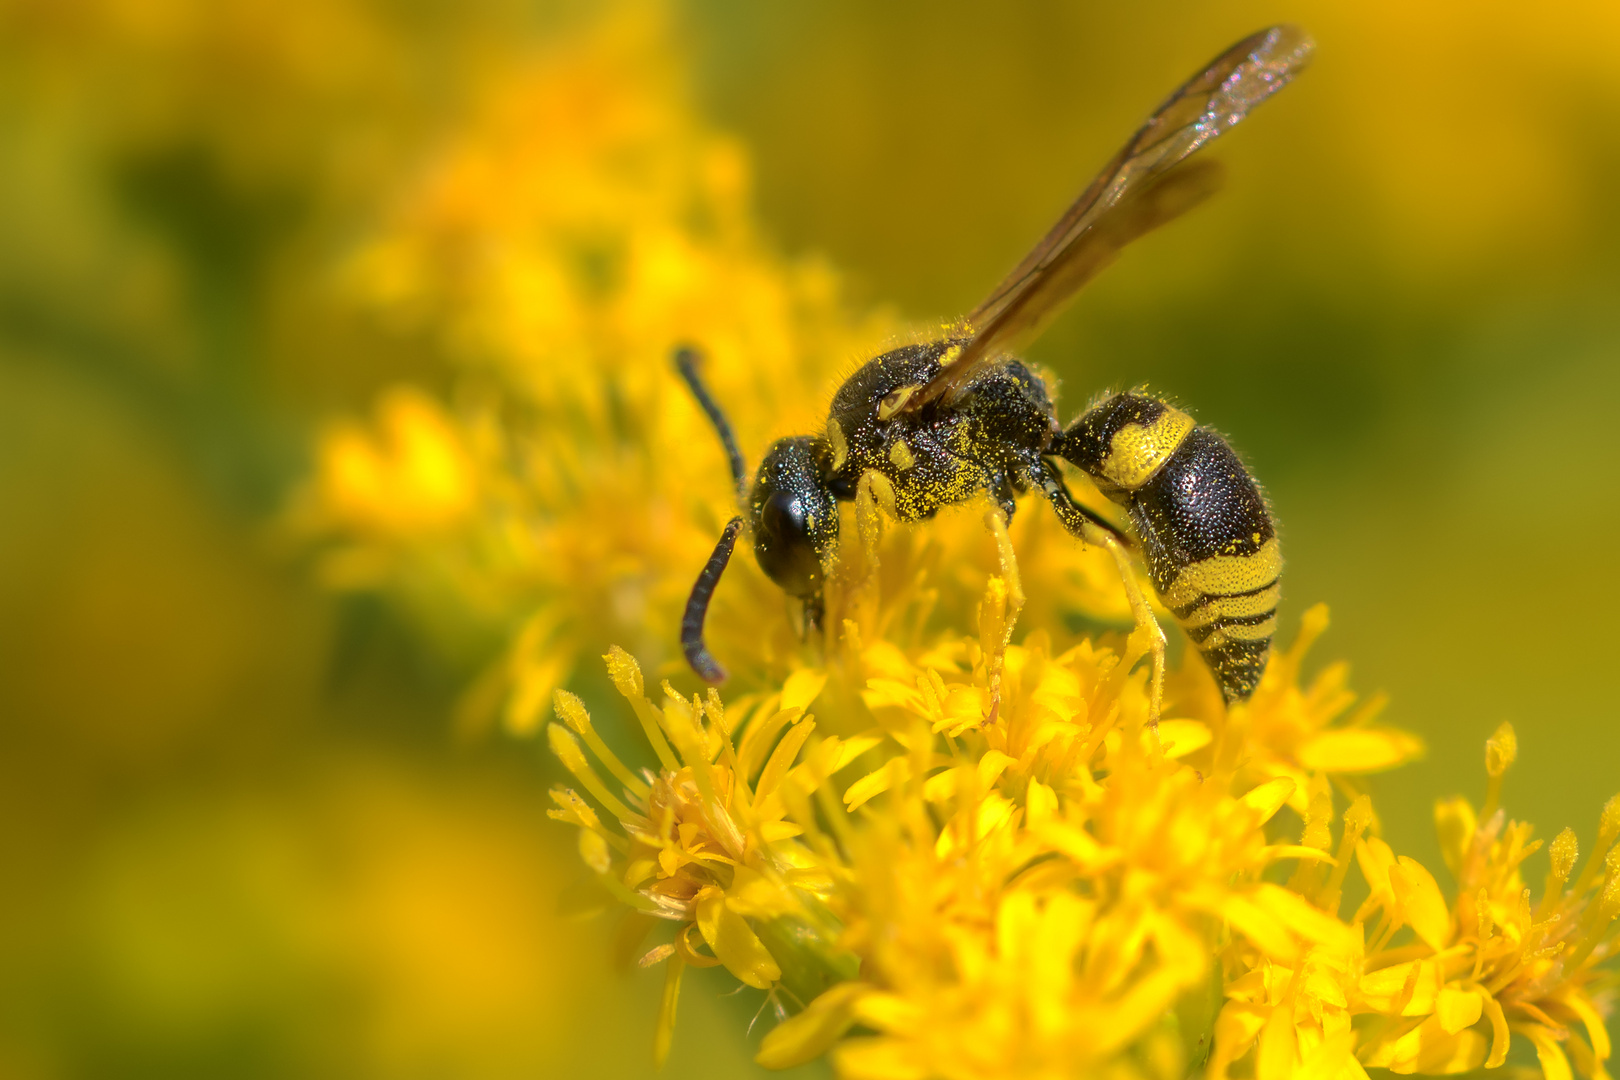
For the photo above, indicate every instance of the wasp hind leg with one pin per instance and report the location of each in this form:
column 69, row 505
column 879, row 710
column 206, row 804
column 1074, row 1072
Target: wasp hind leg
column 1148, row 637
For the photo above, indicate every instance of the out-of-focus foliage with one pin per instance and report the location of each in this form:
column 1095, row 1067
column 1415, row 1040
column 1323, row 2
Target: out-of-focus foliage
column 237, row 841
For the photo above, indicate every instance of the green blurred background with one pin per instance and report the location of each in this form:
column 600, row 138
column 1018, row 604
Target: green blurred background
column 239, row 838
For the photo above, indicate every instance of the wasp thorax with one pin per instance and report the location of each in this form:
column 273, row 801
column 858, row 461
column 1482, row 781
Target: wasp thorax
column 795, row 519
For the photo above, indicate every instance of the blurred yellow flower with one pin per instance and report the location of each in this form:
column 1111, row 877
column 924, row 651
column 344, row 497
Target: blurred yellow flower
column 414, row 476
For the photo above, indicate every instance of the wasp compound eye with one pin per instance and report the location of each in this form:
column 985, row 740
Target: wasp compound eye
column 795, row 517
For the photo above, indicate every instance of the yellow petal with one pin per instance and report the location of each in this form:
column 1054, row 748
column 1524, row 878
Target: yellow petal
column 1499, row 1030
column 1040, row 805
column 754, row 895
column 854, row 747
column 1077, row 844
column 1578, row 1003
column 1422, row 905
column 1405, row 989
column 878, row 1059
column 1179, row 737
column 1278, row 1055
column 782, row 758
column 1334, row 1059
column 802, row 687
column 1269, row 797
column 991, row 766
column 810, row 1034
column 1554, row 1065
column 594, row 850
column 734, row 941
column 876, row 782
column 941, row 787
column 1430, row 1050
column 1235, row 1031
column 1457, row 1009
column 1255, row 923
column 892, row 1014
column 666, row 1009
column 1359, row 750
column 1375, row 858
column 1304, row 919
column 1324, row 986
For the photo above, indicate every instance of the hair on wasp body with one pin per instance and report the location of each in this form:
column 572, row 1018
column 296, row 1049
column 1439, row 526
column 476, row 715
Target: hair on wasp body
column 937, row 423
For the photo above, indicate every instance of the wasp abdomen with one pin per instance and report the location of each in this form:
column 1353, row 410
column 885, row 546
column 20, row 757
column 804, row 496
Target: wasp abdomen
column 1208, row 539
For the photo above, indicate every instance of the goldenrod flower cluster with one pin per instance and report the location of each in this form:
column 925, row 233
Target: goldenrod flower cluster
column 1057, row 889
column 939, row 833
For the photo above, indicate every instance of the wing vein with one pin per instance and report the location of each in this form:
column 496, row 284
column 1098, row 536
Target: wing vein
column 1147, row 183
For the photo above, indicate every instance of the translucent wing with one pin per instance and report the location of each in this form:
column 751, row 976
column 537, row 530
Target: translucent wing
column 1144, row 186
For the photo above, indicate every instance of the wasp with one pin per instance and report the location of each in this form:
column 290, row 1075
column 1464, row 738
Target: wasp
column 936, row 424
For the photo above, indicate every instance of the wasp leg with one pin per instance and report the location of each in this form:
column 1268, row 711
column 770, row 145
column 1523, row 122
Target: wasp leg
column 997, row 520
column 1092, row 529
column 697, row 607
column 687, row 360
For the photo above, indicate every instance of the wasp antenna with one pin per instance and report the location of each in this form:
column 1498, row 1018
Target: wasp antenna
column 687, row 360
column 697, row 607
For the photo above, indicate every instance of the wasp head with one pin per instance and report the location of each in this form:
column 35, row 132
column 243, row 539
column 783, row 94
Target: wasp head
column 795, row 518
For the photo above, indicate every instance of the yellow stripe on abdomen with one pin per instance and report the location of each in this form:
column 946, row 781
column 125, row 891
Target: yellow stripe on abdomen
column 1226, row 635
column 1225, row 575
column 1216, row 608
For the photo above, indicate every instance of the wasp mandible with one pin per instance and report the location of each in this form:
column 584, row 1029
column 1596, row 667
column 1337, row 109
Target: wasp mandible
column 933, row 425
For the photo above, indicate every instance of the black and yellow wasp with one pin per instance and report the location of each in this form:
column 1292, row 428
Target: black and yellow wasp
column 932, row 425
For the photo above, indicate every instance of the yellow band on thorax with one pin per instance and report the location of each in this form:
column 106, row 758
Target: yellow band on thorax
column 1137, row 451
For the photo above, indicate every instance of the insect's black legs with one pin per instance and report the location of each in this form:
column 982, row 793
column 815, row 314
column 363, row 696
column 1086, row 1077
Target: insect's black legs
column 1093, row 529
column 1075, row 517
column 686, row 362
column 697, row 607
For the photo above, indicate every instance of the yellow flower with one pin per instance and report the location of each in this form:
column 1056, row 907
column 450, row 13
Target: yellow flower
column 976, row 859
column 710, row 841
column 1469, row 973
column 1057, row 891
column 577, row 229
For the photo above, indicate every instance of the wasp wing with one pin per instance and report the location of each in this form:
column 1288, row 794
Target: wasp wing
column 1144, row 186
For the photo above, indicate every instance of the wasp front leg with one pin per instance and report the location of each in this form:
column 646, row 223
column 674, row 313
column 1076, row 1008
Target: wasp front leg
column 1094, row 529
column 874, row 497
column 1002, row 606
